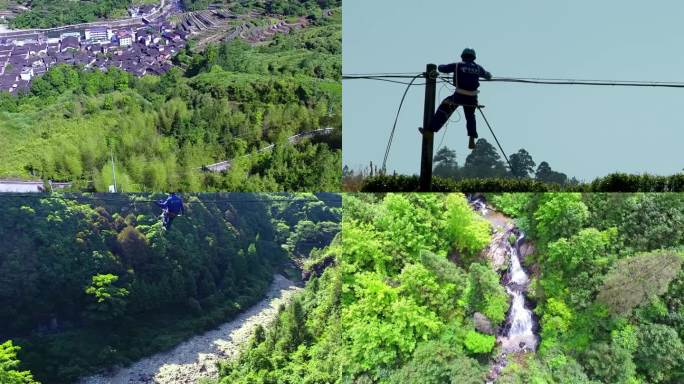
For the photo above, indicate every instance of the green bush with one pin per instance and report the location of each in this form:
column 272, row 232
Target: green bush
column 436, row 362
column 477, row 343
column 609, row 183
column 485, row 294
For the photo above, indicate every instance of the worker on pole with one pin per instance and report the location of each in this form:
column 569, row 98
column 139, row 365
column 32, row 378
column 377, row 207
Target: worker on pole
column 171, row 208
column 467, row 76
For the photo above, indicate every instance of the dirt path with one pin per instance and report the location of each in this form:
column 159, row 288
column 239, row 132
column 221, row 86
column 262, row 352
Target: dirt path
column 196, row 358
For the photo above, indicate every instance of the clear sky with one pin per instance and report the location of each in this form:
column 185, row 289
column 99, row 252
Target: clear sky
column 580, row 130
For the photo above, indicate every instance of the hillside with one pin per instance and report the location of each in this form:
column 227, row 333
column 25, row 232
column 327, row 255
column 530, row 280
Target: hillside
column 97, row 283
column 414, row 292
column 227, row 102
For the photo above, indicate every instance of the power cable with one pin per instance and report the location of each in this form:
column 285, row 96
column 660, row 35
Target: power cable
column 538, row 80
column 524, row 80
column 497, row 140
column 396, row 119
column 392, row 81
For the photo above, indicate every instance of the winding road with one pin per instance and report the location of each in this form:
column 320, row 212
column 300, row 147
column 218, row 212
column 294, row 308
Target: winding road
column 224, row 166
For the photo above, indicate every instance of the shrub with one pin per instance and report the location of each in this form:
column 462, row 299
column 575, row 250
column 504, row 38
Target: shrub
column 476, row 342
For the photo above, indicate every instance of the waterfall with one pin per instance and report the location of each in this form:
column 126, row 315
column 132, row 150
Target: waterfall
column 518, row 333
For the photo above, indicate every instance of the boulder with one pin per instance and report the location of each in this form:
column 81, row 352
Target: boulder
column 526, row 249
column 317, row 269
column 483, row 324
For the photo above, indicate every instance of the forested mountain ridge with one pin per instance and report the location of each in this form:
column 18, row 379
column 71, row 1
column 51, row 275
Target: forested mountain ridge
column 393, row 307
column 398, row 303
column 91, row 282
column 226, row 102
column 608, row 286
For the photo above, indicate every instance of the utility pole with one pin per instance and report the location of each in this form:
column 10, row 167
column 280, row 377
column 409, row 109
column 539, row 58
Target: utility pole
column 111, row 154
column 428, row 136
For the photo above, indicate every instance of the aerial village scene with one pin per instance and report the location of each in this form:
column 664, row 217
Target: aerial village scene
column 142, row 44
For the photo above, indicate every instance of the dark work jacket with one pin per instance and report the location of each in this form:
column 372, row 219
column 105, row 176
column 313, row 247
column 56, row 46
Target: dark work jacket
column 174, row 204
column 466, row 76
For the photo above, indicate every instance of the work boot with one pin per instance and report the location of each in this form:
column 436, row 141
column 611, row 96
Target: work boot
column 471, row 143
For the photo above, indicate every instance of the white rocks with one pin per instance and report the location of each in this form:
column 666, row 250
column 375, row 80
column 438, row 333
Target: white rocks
column 196, row 358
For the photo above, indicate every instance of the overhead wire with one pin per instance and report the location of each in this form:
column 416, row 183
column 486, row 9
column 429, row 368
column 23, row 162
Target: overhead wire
column 391, row 77
column 396, row 119
column 537, row 80
column 393, row 81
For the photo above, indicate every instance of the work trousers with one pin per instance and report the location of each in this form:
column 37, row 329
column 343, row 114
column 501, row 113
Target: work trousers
column 447, row 108
column 167, row 218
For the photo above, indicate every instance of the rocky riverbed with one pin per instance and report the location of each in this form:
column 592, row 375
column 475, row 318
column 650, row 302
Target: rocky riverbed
column 196, row 358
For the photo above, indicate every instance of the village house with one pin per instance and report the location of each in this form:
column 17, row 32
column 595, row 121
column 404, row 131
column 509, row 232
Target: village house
column 7, row 83
column 125, row 38
column 69, row 42
column 146, row 50
column 27, row 73
column 75, row 34
column 98, row 34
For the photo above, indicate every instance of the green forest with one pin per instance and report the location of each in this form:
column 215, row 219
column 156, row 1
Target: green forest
column 398, row 300
column 92, row 281
column 608, row 284
column 279, row 7
column 483, row 162
column 224, row 103
column 54, row 13
column 484, row 170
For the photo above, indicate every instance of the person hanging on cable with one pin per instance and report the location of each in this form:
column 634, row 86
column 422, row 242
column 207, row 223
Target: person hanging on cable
column 467, row 76
column 171, row 208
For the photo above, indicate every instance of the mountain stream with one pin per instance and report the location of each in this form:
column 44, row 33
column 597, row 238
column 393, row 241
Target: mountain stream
column 518, row 333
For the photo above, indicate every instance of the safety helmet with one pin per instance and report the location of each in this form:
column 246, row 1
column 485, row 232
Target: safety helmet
column 468, row 53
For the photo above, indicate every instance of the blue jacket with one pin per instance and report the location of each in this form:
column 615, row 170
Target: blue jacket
column 173, row 203
column 466, row 76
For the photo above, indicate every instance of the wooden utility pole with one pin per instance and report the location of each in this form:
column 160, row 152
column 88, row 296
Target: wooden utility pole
column 428, row 136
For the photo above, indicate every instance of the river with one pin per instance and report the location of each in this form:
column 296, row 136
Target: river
column 196, row 358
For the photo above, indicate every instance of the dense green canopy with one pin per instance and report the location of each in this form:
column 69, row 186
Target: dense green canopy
column 90, row 282
column 231, row 100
